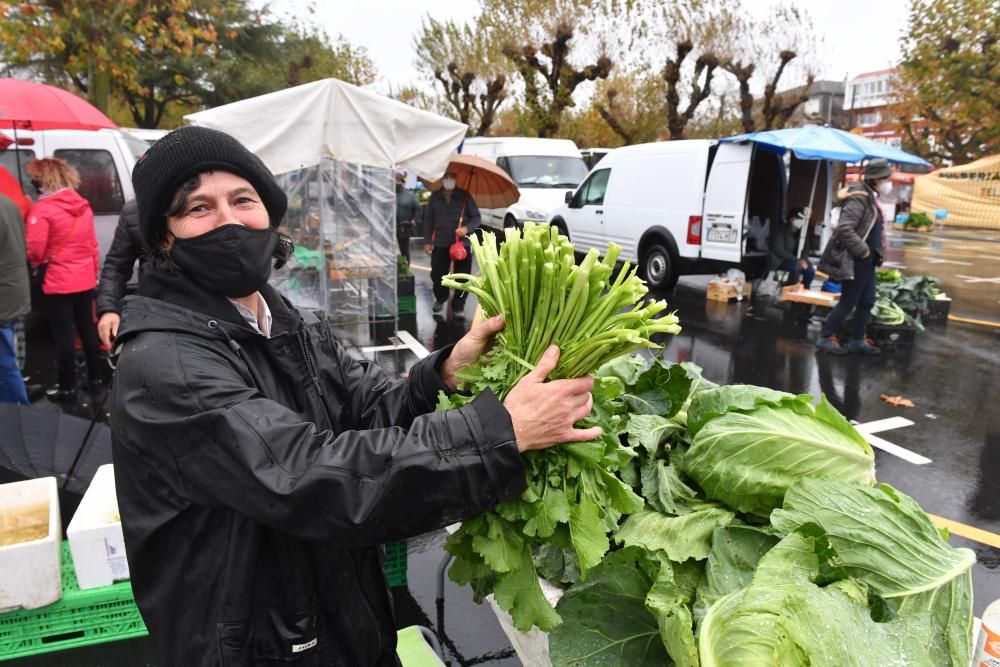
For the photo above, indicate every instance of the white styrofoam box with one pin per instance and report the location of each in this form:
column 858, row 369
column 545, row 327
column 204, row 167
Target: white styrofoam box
column 95, row 534
column 30, row 575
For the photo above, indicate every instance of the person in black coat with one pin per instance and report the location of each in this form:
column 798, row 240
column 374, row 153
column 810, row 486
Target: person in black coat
column 857, row 248
column 784, row 250
column 258, row 464
column 125, row 250
column 450, row 214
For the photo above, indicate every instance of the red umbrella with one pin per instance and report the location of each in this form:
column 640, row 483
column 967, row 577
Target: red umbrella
column 25, row 105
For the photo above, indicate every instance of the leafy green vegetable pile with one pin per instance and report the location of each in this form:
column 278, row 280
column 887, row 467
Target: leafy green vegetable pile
column 574, row 497
column 903, row 299
column 763, row 542
column 709, row 526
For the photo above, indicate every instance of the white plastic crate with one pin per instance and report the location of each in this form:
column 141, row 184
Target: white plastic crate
column 95, row 534
column 30, row 532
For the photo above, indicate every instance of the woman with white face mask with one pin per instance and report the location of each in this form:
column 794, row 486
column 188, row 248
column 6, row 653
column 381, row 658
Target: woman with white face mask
column 851, row 256
column 450, row 214
column 784, row 250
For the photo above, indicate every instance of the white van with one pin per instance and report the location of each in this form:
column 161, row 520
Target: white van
column 544, row 170
column 104, row 159
column 678, row 207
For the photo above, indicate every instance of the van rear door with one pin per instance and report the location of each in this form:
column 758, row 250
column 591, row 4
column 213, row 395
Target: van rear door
column 724, row 214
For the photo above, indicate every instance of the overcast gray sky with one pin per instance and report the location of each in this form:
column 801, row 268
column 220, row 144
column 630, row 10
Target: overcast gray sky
column 860, row 35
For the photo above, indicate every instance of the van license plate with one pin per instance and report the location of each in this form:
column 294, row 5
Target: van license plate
column 722, row 235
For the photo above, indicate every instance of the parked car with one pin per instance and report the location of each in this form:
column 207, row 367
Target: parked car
column 677, row 207
column 104, row 159
column 544, row 170
column 594, row 155
column 149, row 136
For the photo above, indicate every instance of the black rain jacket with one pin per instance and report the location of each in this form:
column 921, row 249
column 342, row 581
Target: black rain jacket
column 126, row 248
column 257, row 477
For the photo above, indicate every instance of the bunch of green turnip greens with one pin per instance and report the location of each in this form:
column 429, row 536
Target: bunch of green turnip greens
column 710, row 525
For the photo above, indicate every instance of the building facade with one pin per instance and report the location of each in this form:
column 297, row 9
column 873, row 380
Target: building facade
column 867, row 98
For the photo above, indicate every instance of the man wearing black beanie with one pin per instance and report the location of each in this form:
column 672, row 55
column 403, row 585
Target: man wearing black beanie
column 258, row 465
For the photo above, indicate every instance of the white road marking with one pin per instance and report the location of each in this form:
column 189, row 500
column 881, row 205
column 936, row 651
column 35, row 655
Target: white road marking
column 976, row 279
column 407, row 339
column 891, row 448
column 869, row 429
column 938, row 260
column 883, row 425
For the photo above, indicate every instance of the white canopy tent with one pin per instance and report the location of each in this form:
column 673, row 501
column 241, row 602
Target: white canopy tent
column 333, row 146
column 298, row 127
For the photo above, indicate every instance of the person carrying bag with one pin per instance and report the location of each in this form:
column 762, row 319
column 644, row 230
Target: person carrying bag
column 451, row 215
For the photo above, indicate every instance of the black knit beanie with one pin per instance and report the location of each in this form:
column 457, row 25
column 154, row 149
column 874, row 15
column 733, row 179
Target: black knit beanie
column 184, row 153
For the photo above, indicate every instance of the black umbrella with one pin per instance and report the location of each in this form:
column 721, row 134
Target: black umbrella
column 41, row 441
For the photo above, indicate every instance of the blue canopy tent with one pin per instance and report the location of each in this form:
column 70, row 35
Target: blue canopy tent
column 825, row 143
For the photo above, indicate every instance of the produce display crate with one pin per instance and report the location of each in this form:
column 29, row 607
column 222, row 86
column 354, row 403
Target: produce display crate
column 29, row 565
column 408, row 322
column 406, row 285
column 891, row 337
column 80, row 618
column 716, row 292
column 937, row 310
column 95, row 534
column 395, row 563
column 799, row 294
column 406, row 305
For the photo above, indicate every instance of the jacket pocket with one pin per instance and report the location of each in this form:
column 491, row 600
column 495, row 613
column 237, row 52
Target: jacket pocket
column 272, row 637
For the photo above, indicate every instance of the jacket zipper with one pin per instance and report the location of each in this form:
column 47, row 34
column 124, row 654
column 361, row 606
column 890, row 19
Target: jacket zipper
column 310, row 366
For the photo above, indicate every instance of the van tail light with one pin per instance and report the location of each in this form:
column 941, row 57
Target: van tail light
column 694, row 230
column 25, row 141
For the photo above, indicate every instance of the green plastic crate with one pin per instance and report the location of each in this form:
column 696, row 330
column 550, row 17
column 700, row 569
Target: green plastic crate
column 406, row 305
column 395, row 563
column 98, row 615
column 80, row 618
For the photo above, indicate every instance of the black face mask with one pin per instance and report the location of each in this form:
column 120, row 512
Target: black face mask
column 231, row 259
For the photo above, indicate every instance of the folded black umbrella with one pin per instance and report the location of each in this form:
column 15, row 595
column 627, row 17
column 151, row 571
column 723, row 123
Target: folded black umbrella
column 41, row 441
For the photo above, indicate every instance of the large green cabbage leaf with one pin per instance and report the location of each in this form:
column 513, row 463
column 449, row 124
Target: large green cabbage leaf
column 886, row 540
column 748, row 460
column 784, row 619
column 680, row 537
column 606, row 621
column 731, row 563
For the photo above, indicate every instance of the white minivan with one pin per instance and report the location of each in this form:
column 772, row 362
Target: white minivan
column 678, row 207
column 545, row 170
column 104, row 159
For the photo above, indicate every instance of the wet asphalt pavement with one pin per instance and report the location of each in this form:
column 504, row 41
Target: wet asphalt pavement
column 950, row 374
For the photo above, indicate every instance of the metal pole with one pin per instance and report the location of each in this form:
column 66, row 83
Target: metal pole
column 17, row 159
column 805, row 227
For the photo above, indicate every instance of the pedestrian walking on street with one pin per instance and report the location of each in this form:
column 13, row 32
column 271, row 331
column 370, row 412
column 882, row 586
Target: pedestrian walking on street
column 119, row 263
column 855, row 250
column 15, row 298
column 784, row 250
column 450, row 213
column 258, row 464
column 62, row 243
column 407, row 213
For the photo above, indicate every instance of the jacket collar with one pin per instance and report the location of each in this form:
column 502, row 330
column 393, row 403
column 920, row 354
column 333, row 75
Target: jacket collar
column 176, row 288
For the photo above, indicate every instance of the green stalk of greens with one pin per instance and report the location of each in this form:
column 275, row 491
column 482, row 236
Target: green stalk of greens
column 575, row 496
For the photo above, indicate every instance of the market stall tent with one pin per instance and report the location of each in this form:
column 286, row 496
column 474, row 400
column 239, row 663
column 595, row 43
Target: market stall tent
column 333, row 147
column 969, row 193
column 298, row 127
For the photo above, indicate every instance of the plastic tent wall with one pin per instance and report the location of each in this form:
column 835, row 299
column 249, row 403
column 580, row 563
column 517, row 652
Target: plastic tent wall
column 333, row 146
column 342, row 219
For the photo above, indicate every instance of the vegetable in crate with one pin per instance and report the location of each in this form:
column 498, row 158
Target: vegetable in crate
column 574, row 497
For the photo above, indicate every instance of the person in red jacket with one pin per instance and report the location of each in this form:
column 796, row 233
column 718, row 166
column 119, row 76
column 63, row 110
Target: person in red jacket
column 60, row 236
